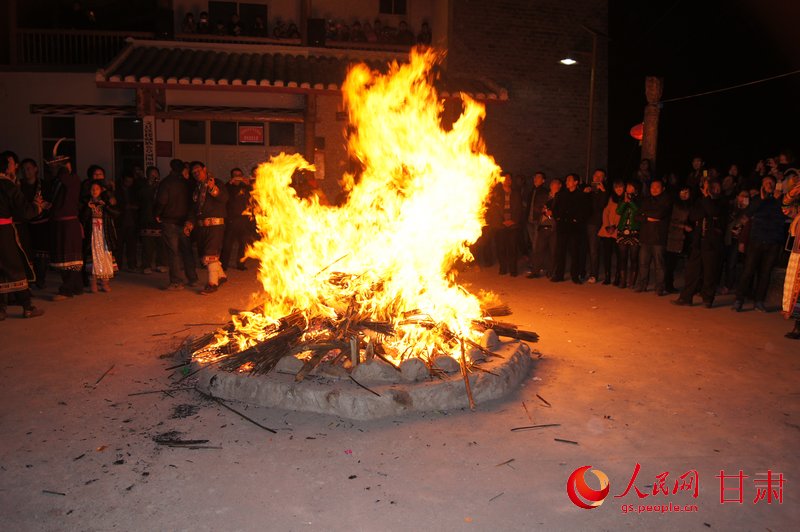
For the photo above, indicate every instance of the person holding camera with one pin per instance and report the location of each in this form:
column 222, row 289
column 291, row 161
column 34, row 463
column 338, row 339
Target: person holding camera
column 628, row 235
column 208, row 223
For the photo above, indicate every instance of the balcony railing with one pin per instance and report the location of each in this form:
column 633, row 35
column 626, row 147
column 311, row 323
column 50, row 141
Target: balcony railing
column 82, row 48
column 70, row 47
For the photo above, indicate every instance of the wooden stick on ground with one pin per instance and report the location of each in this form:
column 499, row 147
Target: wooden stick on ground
column 465, row 374
column 254, row 422
column 104, row 375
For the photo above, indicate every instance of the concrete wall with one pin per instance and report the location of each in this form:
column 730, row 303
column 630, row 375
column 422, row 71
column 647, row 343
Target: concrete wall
column 518, row 43
column 22, row 130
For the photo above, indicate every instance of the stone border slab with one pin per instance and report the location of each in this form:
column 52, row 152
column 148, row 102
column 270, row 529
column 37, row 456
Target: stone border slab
column 342, row 397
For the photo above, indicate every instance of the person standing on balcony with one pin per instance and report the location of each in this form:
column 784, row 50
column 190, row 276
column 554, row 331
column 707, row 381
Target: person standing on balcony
column 207, row 220
column 188, row 25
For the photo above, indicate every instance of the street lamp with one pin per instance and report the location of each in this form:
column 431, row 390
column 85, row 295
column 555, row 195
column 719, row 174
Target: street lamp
column 569, row 61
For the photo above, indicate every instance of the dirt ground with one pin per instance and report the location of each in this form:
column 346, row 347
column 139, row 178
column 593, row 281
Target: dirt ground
column 628, row 377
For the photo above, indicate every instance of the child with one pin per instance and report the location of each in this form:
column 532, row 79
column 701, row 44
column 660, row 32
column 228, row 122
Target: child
column 100, row 237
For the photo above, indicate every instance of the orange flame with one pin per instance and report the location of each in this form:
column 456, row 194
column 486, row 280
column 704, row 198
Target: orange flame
column 413, row 212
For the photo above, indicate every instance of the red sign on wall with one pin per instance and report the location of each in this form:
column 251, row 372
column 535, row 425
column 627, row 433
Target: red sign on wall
column 251, row 134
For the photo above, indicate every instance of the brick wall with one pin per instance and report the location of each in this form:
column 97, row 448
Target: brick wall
column 518, row 43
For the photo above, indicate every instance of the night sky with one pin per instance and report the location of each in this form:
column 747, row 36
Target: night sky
column 698, row 46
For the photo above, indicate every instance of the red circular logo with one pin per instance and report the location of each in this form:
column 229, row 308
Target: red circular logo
column 579, row 491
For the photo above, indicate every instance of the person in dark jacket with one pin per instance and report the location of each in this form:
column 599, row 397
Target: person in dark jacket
column 570, row 213
column 15, row 265
column 764, row 243
column 154, row 253
column 172, row 211
column 735, row 240
column 678, row 237
column 207, row 220
column 508, row 205
column 655, row 217
column 545, row 252
column 597, row 201
column 535, row 204
column 237, row 224
column 708, row 217
column 127, row 224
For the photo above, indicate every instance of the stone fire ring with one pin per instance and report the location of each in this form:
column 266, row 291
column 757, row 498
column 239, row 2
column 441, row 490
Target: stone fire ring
column 330, row 391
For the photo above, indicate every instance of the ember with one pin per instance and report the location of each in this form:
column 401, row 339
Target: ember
column 373, row 278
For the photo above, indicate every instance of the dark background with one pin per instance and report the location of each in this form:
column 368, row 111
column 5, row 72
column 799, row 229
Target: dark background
column 698, row 46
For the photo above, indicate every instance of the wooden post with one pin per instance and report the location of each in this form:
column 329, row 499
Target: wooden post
column 590, row 132
column 653, row 88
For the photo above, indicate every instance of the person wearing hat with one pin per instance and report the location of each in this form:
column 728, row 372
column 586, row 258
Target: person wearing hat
column 66, row 252
column 15, row 266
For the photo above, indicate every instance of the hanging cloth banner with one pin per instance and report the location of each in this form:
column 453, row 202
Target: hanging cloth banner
column 149, row 140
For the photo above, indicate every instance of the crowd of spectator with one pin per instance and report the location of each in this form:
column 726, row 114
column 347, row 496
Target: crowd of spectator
column 727, row 232
column 87, row 230
column 236, row 27
column 377, row 32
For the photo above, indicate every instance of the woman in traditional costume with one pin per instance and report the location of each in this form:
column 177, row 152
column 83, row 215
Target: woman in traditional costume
column 791, row 286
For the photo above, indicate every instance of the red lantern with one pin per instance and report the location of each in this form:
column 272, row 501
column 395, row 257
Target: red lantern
column 637, row 131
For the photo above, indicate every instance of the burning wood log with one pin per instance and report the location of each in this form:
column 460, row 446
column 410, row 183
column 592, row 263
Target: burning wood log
column 507, row 329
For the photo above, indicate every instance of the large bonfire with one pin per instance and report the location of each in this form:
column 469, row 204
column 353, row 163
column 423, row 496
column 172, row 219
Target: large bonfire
column 375, row 276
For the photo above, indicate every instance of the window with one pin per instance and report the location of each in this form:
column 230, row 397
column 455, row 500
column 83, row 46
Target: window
column 192, row 132
column 237, row 133
column 392, row 7
column 281, row 134
column 128, row 146
column 223, row 133
column 55, row 128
